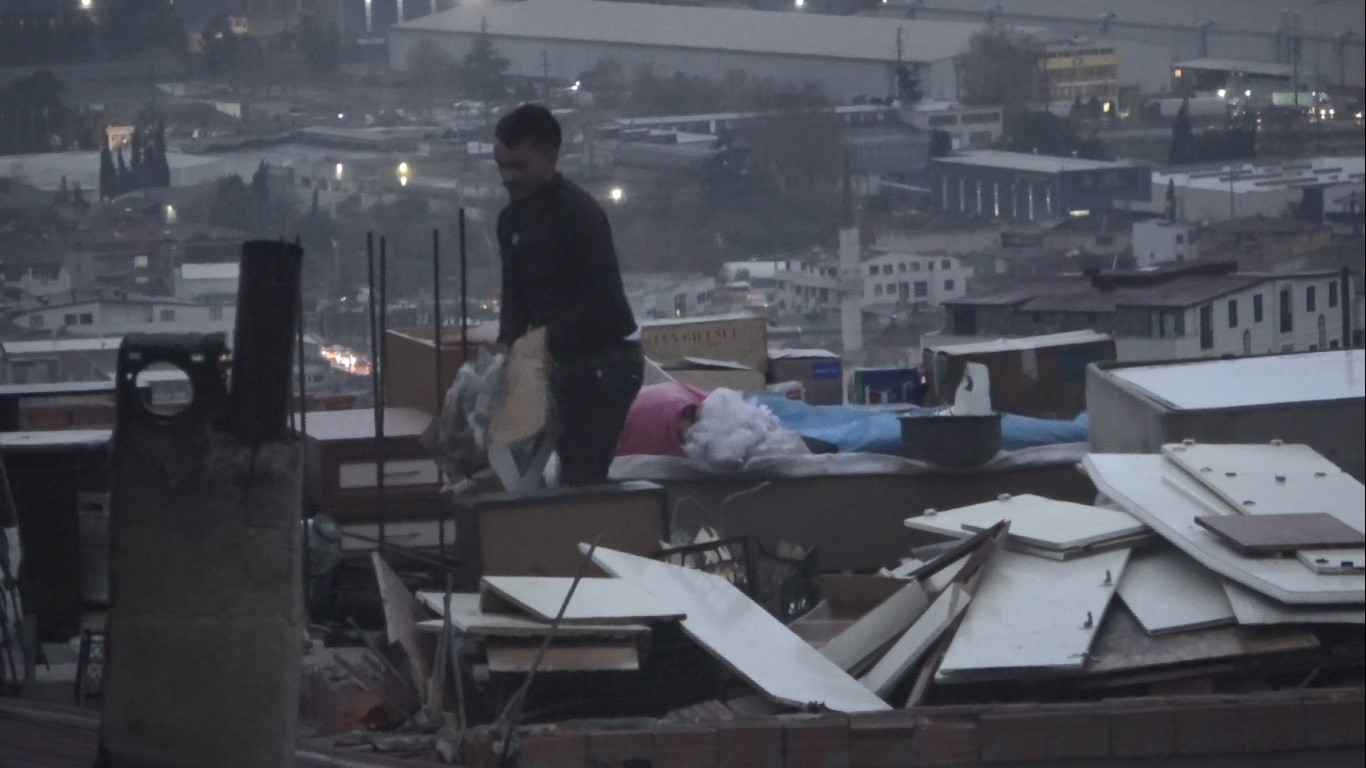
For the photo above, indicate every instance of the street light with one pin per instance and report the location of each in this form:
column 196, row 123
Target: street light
column 617, row 194
column 403, row 172
column 87, row 4
column 339, row 171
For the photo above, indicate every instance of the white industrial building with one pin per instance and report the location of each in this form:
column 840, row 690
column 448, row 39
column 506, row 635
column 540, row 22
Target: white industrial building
column 198, row 282
column 1159, row 241
column 1241, row 190
column 846, row 56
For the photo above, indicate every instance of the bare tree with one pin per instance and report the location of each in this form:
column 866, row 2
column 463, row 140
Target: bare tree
column 1001, row 68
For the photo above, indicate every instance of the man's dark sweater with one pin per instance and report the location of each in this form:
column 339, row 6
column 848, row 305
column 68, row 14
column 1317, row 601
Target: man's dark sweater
column 560, row 271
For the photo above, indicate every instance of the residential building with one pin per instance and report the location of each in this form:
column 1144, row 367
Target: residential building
column 968, row 127
column 847, row 56
column 809, row 283
column 913, row 278
column 1231, row 78
column 1077, row 67
column 1025, row 187
column 118, row 315
column 1159, row 241
column 659, row 296
column 53, row 360
column 207, row 282
column 1186, row 311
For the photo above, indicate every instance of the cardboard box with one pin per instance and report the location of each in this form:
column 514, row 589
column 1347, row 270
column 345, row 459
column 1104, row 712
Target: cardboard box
column 714, row 374
column 1031, row 376
column 410, row 360
column 820, row 373
column 741, row 338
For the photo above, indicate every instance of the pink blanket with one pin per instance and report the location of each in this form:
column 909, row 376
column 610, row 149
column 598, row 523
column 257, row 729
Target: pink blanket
column 653, row 419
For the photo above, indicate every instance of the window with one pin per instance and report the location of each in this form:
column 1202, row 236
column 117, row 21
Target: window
column 946, row 264
column 70, row 320
column 1287, row 316
column 1207, row 327
column 929, row 265
column 872, row 270
column 168, row 315
column 1233, row 313
column 1179, row 323
column 216, row 313
column 87, row 318
column 140, row 262
column 948, row 285
column 1310, row 300
column 901, row 267
column 1332, row 295
column 36, row 321
column 1257, row 308
column 1180, row 239
column 915, row 266
column 877, row 289
column 922, row 289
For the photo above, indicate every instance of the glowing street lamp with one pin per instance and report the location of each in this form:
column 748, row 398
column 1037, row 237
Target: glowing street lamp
column 340, row 169
column 617, row 194
column 403, row 172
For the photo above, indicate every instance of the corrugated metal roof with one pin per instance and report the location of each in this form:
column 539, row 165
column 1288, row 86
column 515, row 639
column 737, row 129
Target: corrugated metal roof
column 782, row 33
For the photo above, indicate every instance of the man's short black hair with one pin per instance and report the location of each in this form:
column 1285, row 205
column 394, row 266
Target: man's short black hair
column 529, row 122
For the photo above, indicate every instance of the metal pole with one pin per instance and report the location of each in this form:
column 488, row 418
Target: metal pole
column 378, row 369
column 374, row 345
column 464, row 295
column 1345, row 302
column 436, row 368
column 303, row 430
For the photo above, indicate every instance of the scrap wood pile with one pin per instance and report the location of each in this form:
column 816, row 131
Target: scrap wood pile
column 1236, row 568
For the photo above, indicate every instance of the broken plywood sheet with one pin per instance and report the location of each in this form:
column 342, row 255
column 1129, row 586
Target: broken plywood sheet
column 1167, row 591
column 603, row 601
column 853, row 647
column 1254, row 609
column 743, row 636
column 1274, row 479
column 1034, row 521
column 1123, row 647
column 1032, row 616
column 469, row 619
column 911, row 646
column 1163, row 496
column 505, row 656
column 1271, row 534
column 401, row 614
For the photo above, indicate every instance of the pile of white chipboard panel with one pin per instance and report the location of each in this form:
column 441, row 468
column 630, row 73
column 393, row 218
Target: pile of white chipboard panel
column 1222, row 557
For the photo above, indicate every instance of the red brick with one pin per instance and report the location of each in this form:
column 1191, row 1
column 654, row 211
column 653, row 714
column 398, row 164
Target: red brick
column 1013, row 736
column 685, row 746
column 881, row 741
column 1335, row 722
column 749, row 744
column 1230, row 726
column 1143, row 732
column 945, row 741
column 613, row 747
column 820, row 741
column 1072, row 734
column 553, row 749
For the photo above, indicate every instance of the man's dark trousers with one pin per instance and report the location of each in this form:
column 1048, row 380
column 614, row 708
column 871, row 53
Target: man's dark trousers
column 592, row 395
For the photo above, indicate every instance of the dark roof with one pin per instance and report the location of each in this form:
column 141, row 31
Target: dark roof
column 1261, row 225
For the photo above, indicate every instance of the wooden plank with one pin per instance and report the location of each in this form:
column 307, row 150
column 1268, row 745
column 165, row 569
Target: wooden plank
column 601, row 601
column 1270, row 534
column 1034, row 521
column 1253, row 609
column 743, row 636
column 1032, row 616
column 592, row 657
column 469, row 619
column 853, row 647
column 1161, row 495
column 911, row 646
column 1123, row 646
column 1167, row 591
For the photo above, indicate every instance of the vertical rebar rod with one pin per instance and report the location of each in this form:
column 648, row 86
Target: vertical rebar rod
column 436, row 369
column 378, row 371
column 374, row 344
column 464, row 295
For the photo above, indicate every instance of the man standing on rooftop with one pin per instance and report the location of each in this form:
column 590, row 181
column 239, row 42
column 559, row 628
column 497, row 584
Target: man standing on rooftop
column 560, row 272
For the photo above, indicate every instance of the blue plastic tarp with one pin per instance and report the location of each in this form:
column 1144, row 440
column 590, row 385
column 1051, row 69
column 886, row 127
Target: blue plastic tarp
column 861, row 429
